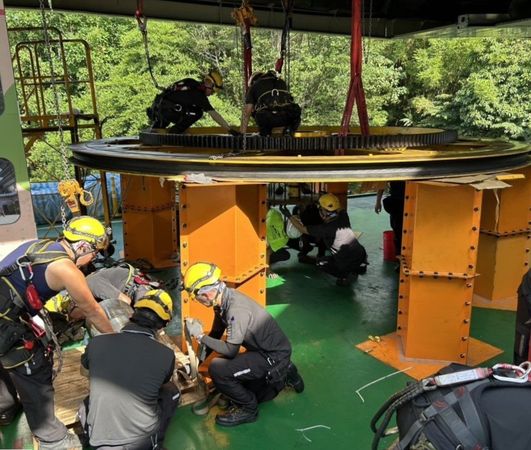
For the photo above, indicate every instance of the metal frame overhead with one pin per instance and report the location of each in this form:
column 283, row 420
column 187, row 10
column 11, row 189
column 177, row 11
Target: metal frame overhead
column 384, row 18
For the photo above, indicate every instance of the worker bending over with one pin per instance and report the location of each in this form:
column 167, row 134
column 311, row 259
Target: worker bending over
column 122, row 282
column 30, row 275
column 184, row 102
column 132, row 398
column 249, row 378
column 271, row 105
column 347, row 255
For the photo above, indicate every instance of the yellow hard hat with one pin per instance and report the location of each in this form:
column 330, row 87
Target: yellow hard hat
column 215, row 78
column 88, row 229
column 200, row 275
column 159, row 301
column 329, row 202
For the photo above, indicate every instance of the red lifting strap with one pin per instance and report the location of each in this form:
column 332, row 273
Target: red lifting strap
column 355, row 91
column 139, row 15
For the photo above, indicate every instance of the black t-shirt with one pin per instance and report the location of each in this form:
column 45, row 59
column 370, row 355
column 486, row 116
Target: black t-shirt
column 188, row 92
column 127, row 370
column 328, row 231
column 260, row 91
column 248, row 324
column 340, row 240
column 397, row 189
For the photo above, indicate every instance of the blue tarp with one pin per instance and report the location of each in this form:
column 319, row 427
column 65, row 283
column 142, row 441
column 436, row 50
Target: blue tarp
column 47, row 201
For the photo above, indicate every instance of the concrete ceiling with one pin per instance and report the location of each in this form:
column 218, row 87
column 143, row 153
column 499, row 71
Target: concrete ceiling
column 383, row 18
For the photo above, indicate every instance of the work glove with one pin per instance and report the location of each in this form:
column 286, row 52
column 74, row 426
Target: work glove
column 234, row 132
column 195, row 327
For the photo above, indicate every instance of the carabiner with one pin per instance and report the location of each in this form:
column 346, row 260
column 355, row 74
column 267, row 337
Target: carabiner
column 21, row 266
column 521, row 372
column 428, row 384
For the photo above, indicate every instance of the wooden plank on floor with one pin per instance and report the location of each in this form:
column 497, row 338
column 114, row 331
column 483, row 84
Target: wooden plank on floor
column 70, row 386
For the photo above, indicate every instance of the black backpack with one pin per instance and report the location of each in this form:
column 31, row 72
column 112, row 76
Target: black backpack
column 484, row 414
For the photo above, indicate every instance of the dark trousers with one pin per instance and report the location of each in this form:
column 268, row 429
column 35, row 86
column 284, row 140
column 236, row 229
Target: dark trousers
column 394, row 206
column 307, row 244
column 166, row 112
column 8, row 393
column 169, row 397
column 288, row 116
column 33, row 382
column 243, row 379
column 350, row 259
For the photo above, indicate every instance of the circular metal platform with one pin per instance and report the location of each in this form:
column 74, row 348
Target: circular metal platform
column 287, row 160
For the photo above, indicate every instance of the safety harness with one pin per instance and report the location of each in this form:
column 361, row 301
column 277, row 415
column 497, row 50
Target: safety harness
column 467, row 430
column 135, row 279
column 156, row 111
column 278, row 97
column 27, row 309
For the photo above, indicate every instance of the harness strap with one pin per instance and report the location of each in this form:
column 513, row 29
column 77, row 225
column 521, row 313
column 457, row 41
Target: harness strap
column 272, row 94
column 36, row 253
column 472, row 439
column 130, row 282
column 15, row 296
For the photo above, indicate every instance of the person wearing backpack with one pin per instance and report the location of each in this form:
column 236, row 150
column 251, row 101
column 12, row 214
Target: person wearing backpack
column 271, row 105
column 184, row 103
column 29, row 275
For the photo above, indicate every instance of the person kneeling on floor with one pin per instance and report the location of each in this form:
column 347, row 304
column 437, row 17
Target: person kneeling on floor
column 131, row 397
column 249, row 378
column 347, row 256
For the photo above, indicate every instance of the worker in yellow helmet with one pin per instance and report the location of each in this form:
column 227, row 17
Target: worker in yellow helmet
column 347, row 256
column 29, row 275
column 249, row 378
column 132, row 398
column 270, row 103
column 184, row 102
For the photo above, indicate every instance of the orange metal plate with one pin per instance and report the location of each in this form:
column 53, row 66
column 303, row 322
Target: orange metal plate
column 389, row 351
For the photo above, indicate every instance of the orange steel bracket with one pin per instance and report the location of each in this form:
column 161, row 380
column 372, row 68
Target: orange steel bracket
column 504, row 244
column 149, row 213
column 224, row 223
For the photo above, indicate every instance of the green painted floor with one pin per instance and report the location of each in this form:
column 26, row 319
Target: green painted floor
column 324, row 323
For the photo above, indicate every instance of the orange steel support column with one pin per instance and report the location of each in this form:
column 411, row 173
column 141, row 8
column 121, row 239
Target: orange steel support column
column 438, row 269
column 441, row 231
column 149, row 213
column 224, row 224
column 504, row 244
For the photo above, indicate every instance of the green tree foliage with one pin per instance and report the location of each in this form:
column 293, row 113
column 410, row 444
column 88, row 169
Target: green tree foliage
column 478, row 86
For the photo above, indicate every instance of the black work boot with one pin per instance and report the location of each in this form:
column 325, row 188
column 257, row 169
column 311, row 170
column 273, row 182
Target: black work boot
column 236, row 416
column 293, row 379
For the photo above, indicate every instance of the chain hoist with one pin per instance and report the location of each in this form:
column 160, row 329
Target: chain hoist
column 50, row 55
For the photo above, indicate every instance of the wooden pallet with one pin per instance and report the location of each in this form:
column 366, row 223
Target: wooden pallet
column 70, row 386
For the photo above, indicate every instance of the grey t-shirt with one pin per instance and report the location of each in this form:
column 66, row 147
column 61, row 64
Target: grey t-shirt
column 110, row 282
column 251, row 326
column 127, row 370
